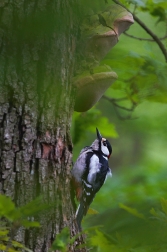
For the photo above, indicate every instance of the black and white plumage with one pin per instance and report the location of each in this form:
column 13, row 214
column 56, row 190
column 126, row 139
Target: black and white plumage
column 90, row 172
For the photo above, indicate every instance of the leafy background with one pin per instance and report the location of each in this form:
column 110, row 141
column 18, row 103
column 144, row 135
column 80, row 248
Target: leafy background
column 130, row 211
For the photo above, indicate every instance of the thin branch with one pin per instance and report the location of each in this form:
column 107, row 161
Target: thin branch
column 124, row 108
column 114, row 99
column 160, row 44
column 123, row 118
column 114, row 102
column 145, row 39
column 117, row 106
column 156, row 39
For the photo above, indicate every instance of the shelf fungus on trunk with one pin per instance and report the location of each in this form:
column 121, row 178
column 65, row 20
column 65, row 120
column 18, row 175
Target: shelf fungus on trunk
column 90, row 88
column 99, row 33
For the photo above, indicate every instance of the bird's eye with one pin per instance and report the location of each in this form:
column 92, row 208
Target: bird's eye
column 104, row 143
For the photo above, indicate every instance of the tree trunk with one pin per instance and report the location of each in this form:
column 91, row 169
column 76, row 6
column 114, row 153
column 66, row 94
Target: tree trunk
column 37, row 56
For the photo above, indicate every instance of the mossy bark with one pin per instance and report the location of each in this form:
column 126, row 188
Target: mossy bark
column 37, row 58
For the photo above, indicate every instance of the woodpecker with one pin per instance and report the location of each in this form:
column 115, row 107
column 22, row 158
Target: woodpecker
column 89, row 173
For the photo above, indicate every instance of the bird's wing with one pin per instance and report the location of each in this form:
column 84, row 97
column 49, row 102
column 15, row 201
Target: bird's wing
column 80, row 165
column 79, row 170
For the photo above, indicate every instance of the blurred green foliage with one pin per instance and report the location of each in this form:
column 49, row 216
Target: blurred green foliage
column 143, row 233
column 131, row 208
column 12, row 218
column 62, row 240
column 88, row 121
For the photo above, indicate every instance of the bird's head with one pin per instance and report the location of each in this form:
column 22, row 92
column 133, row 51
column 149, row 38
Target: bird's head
column 104, row 145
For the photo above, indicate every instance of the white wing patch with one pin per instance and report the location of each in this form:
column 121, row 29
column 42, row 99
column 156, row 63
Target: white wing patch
column 105, row 157
column 94, row 168
column 89, row 186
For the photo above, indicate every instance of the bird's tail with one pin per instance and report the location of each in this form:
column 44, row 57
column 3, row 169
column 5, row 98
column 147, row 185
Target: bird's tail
column 81, row 211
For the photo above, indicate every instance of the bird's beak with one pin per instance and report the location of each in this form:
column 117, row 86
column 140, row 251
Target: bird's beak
column 99, row 136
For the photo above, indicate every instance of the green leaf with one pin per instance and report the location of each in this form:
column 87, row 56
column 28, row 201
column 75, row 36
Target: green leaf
column 99, row 240
column 62, row 240
column 17, row 244
column 2, row 247
column 158, row 97
column 106, row 128
column 132, row 211
column 20, row 245
column 4, row 232
column 153, row 212
column 159, row 215
column 7, row 208
column 92, row 211
column 88, row 121
column 164, row 205
column 33, row 207
column 29, row 224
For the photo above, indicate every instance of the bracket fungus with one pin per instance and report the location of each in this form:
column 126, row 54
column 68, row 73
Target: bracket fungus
column 97, row 39
column 91, row 88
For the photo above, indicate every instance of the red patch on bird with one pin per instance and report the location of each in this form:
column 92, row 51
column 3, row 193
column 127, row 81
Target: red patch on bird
column 78, row 188
column 78, row 193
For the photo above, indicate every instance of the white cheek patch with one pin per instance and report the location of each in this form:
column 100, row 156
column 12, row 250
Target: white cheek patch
column 104, row 150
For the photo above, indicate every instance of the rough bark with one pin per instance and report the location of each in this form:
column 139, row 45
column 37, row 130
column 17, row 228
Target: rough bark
column 37, row 53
